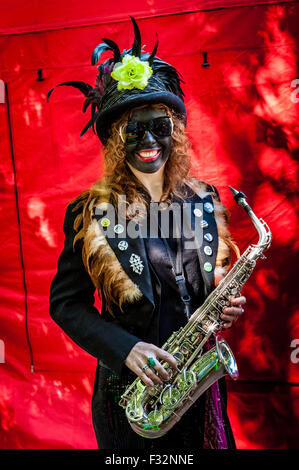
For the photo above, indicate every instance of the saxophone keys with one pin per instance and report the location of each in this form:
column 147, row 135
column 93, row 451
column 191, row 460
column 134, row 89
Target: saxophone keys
column 187, row 380
column 140, row 386
column 134, row 411
column 155, row 417
column 185, row 348
column 234, row 291
column 179, row 356
column 170, row 397
column 196, row 338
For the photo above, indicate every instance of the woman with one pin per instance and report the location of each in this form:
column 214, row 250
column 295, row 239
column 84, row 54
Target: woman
column 137, row 107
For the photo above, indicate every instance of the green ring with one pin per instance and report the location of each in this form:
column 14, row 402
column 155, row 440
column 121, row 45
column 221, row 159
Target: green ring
column 151, row 361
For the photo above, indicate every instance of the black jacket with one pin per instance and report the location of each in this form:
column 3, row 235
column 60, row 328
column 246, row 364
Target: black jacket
column 72, row 295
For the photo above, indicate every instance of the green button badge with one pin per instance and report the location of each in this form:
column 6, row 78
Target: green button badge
column 208, row 267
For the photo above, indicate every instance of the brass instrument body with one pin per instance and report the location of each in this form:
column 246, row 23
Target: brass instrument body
column 153, row 411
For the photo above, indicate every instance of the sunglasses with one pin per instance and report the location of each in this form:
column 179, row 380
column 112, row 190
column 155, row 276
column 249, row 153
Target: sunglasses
column 158, row 127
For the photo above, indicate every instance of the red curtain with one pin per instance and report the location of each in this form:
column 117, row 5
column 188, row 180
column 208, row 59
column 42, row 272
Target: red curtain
column 243, row 123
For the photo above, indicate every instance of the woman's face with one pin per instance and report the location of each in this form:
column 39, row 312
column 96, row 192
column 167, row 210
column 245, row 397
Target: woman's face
column 150, row 152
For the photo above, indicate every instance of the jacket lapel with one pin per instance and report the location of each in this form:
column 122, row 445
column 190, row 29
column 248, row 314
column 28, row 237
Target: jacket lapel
column 125, row 240
column 200, row 217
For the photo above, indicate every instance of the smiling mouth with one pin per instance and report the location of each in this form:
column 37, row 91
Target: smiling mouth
column 148, row 155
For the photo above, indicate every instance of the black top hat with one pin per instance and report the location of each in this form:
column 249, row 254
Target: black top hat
column 128, row 80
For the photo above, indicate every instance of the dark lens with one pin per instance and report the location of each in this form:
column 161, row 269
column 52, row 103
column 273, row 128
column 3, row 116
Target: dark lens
column 132, row 138
column 161, row 127
column 132, row 134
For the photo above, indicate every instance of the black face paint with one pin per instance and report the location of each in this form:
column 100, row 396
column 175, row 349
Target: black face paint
column 150, row 153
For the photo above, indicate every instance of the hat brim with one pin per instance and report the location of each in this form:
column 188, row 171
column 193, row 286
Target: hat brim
column 108, row 116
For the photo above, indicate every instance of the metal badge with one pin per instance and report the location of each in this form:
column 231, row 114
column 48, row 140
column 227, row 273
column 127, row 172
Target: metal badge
column 204, row 224
column 208, row 250
column 208, row 267
column 118, row 228
column 136, row 263
column 208, row 207
column 197, row 212
column 123, row 245
column 208, row 237
column 105, row 222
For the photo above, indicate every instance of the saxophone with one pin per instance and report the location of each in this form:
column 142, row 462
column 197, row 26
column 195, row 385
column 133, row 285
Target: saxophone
column 153, row 411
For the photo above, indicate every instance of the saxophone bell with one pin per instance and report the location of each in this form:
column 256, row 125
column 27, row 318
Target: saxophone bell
column 226, row 358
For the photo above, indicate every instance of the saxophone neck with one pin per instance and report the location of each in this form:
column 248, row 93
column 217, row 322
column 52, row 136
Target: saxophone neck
column 264, row 232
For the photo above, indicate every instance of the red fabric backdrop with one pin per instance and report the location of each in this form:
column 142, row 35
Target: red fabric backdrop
column 243, row 122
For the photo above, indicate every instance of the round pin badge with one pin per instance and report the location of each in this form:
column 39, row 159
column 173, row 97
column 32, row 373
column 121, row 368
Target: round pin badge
column 208, row 237
column 208, row 267
column 118, row 228
column 204, row 224
column 105, row 222
column 208, row 250
column 123, row 245
column 197, row 212
column 208, row 207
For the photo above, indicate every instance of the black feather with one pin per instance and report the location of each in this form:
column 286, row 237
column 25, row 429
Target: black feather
column 92, row 121
column 85, row 129
column 169, row 76
column 136, row 48
column 98, row 52
column 49, row 93
column 93, row 97
column 114, row 47
column 152, row 56
column 126, row 51
column 93, row 116
column 86, row 104
column 82, row 86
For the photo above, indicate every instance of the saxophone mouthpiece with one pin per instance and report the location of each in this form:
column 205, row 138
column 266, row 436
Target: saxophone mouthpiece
column 237, row 194
column 240, row 198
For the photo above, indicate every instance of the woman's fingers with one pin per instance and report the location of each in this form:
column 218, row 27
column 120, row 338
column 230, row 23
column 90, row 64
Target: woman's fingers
column 137, row 361
column 167, row 357
column 152, row 375
column 233, row 310
column 238, row 300
column 161, row 371
column 231, row 314
column 158, row 368
column 143, row 376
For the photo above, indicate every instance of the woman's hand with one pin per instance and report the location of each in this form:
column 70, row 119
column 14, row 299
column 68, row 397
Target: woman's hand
column 137, row 359
column 231, row 314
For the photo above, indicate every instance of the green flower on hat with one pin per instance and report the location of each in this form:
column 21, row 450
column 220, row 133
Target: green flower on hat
column 131, row 73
